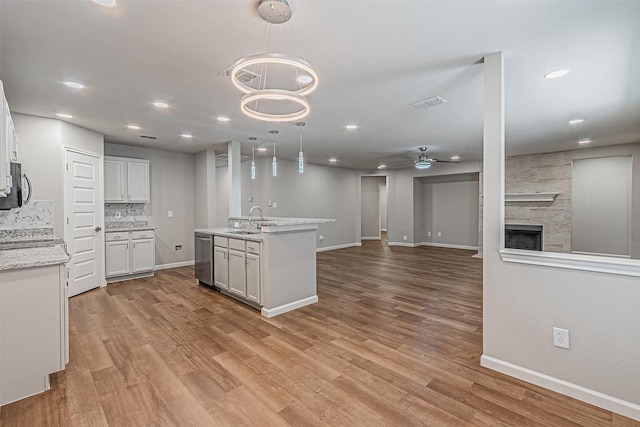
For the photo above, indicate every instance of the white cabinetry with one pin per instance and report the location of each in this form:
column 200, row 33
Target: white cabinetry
column 220, row 262
column 129, row 254
column 253, row 272
column 33, row 329
column 126, row 180
column 236, row 268
column 8, row 144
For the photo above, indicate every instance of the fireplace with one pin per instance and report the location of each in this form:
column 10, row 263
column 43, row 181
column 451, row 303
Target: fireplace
column 528, row 237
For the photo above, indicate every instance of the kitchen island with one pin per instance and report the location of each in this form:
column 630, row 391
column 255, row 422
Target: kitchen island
column 269, row 263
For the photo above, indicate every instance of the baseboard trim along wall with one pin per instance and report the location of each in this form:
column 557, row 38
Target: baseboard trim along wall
column 271, row 312
column 439, row 245
column 333, row 248
column 593, row 397
column 447, row 245
column 174, row 265
column 370, row 238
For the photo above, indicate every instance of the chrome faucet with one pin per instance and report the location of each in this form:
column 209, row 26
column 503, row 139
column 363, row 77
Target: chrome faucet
column 251, row 212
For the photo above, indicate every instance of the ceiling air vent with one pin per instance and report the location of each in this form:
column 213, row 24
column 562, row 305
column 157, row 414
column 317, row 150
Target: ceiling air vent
column 245, row 76
column 428, row 103
column 148, row 137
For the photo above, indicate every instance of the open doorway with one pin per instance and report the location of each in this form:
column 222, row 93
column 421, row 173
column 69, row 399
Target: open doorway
column 373, row 208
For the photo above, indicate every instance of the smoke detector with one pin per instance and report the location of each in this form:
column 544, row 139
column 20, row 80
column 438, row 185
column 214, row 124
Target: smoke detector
column 428, row 103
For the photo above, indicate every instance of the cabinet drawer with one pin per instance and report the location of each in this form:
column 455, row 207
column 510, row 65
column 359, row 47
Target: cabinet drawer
column 121, row 235
column 253, row 247
column 221, row 241
column 236, row 244
column 147, row 234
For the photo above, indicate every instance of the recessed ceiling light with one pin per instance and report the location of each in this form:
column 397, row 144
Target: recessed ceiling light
column 262, row 148
column 161, row 104
column 304, row 79
column 556, row 74
column 73, row 85
column 383, row 166
column 575, row 121
column 187, row 135
column 333, row 160
column 135, row 127
column 455, row 157
column 584, row 141
column 223, row 118
column 351, row 127
column 64, row 116
column 107, row 3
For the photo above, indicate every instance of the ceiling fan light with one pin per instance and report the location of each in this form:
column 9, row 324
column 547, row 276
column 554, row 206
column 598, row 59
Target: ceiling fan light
column 423, row 164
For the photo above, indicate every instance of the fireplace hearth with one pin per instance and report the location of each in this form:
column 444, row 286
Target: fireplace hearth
column 528, row 237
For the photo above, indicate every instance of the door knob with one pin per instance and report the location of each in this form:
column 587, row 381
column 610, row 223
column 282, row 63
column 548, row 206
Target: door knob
column 98, row 229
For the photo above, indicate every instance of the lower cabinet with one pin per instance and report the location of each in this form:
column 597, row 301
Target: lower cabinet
column 237, row 267
column 129, row 253
column 34, row 329
column 221, row 266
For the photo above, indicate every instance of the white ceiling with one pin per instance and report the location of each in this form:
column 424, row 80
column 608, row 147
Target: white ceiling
column 374, row 59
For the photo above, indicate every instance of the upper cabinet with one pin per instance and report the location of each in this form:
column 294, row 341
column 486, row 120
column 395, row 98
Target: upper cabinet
column 8, row 144
column 126, row 180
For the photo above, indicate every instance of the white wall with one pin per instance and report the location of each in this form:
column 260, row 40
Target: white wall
column 383, row 205
column 320, row 192
column 41, row 151
column 450, row 207
column 172, row 188
column 405, row 199
column 523, row 302
column 205, row 189
column 370, row 206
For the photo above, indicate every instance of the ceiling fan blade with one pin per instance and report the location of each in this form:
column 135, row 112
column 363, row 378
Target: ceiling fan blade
column 445, row 161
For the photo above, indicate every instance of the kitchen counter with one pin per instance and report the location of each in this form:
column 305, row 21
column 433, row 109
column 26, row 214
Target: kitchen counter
column 281, row 270
column 233, row 233
column 32, row 257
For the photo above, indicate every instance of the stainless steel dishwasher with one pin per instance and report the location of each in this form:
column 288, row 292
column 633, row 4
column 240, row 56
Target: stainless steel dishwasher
column 204, row 258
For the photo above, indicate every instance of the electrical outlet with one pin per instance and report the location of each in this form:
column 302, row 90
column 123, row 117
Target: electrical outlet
column 405, row 237
column 269, row 203
column 118, row 215
column 439, row 234
column 561, row 337
column 275, row 204
column 428, row 234
column 321, row 238
column 178, row 248
column 170, row 214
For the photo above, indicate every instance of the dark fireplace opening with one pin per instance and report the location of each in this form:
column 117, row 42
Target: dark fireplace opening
column 528, row 237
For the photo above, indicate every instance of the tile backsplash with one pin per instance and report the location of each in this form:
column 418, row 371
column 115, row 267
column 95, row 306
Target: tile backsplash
column 29, row 222
column 129, row 213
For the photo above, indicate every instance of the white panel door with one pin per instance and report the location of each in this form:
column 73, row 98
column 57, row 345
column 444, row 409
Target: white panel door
column 83, row 206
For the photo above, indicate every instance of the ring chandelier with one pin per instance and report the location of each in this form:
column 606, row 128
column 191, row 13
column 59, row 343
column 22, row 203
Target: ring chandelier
column 274, row 12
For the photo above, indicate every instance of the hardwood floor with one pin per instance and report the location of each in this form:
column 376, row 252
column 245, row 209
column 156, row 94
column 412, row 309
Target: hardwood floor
column 395, row 340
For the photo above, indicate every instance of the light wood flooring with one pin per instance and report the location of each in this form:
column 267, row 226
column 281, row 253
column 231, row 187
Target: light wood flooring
column 395, row 340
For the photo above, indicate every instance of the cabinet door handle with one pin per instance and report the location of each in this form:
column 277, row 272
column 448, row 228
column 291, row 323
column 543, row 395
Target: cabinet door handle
column 127, row 245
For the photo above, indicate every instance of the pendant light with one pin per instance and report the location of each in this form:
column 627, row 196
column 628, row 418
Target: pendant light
column 300, row 154
column 274, row 164
column 253, row 163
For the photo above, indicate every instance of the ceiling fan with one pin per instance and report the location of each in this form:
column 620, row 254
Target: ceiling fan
column 425, row 162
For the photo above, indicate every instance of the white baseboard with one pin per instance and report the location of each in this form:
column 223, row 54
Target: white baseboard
column 332, row 248
column 370, row 238
column 447, row 245
column 174, row 265
column 271, row 312
column 405, row 244
column 593, row 397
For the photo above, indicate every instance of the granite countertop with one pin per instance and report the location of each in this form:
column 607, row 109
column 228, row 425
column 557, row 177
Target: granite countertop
column 11, row 259
column 255, row 236
column 272, row 220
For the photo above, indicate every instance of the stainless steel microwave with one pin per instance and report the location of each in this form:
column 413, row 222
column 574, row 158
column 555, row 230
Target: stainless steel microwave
column 15, row 198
